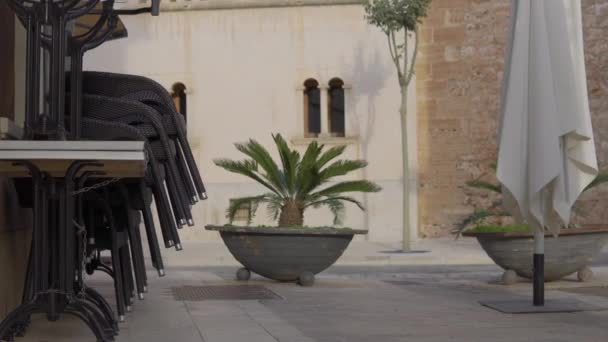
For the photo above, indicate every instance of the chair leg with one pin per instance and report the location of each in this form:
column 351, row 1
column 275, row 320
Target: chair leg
column 119, row 284
column 184, row 173
column 185, row 147
column 155, row 252
column 167, row 225
column 176, row 193
column 142, row 259
column 139, row 267
column 166, row 221
column 29, row 278
column 127, row 272
column 174, row 232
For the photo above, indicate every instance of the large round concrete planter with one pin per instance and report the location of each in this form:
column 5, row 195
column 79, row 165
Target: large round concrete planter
column 285, row 254
column 571, row 252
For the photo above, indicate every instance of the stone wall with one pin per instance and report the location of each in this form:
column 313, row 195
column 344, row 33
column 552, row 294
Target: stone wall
column 459, row 79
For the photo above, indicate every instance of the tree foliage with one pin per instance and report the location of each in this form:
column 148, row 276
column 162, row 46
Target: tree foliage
column 397, row 18
column 396, row 15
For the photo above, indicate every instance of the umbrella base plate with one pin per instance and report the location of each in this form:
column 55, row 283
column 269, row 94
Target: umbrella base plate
column 524, row 306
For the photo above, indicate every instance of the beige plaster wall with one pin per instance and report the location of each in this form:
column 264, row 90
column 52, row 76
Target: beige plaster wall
column 244, row 70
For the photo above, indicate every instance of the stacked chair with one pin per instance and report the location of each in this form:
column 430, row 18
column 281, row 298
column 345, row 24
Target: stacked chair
column 106, row 217
column 113, row 214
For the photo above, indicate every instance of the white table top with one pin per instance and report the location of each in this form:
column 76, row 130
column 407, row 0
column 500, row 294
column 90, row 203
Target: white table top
column 9, row 130
column 119, row 158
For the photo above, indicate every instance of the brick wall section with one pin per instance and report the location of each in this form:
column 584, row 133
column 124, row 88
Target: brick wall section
column 459, row 79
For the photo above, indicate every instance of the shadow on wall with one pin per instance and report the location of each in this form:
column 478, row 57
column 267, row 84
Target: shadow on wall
column 369, row 77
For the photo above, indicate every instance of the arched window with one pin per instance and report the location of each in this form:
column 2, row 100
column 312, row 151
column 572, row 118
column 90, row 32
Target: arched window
column 312, row 108
column 336, row 107
column 178, row 92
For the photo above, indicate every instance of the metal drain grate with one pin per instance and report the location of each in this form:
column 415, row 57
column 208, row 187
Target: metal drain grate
column 222, row 292
column 599, row 291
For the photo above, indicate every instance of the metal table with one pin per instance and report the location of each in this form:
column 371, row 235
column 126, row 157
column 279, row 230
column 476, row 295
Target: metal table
column 54, row 285
column 59, row 32
column 122, row 159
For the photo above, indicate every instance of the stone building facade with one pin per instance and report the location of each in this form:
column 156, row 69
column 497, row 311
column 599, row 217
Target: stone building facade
column 244, row 64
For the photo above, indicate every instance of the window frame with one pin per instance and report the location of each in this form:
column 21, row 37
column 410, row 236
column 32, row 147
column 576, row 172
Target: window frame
column 179, row 93
column 336, row 83
column 308, row 85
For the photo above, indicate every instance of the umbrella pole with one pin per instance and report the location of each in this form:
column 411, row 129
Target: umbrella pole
column 539, row 267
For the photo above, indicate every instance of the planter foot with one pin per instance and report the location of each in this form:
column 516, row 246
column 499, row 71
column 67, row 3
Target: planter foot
column 585, row 274
column 509, row 277
column 243, row 274
column 306, row 279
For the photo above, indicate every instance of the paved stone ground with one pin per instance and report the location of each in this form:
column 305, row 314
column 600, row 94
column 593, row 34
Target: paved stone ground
column 370, row 302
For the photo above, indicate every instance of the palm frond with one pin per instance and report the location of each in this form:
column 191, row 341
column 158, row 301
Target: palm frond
column 476, row 217
column 246, row 168
column 274, row 208
column 238, row 203
column 600, row 179
column 341, row 168
column 330, row 155
column 336, row 206
column 308, row 170
column 290, row 160
column 479, row 184
column 257, row 152
column 316, row 204
column 348, row 186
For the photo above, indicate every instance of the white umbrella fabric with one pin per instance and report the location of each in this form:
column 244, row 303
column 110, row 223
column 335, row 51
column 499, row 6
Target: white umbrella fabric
column 547, row 155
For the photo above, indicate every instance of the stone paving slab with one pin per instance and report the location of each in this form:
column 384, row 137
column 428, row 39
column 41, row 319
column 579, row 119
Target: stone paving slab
column 349, row 303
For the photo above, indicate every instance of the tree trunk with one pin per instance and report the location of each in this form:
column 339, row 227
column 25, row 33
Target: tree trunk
column 291, row 214
column 407, row 243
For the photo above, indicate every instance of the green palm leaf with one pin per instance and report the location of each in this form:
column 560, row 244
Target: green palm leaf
column 341, row 198
column 348, row 186
column 238, row 203
column 290, row 160
column 308, row 171
column 341, row 168
column 479, row 184
column 246, row 168
column 336, row 206
column 600, row 179
column 257, row 152
column 330, row 155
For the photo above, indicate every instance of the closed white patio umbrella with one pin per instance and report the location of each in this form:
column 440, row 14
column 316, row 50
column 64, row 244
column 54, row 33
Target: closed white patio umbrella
column 546, row 155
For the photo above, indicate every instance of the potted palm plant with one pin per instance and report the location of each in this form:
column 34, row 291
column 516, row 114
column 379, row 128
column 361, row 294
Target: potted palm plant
column 511, row 245
column 290, row 251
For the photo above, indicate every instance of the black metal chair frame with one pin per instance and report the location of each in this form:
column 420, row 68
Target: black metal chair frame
column 54, row 248
column 154, row 178
column 132, row 112
column 147, row 91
